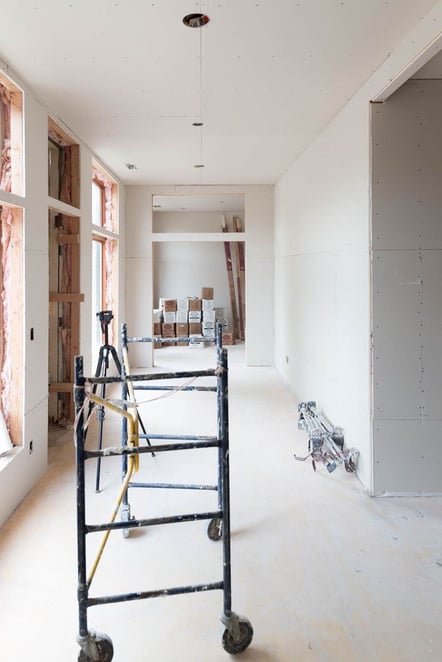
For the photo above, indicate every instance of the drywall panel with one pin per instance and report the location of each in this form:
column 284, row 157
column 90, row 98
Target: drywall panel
column 397, row 334
column 138, row 295
column 322, row 294
column 407, row 287
column 413, row 450
column 259, row 315
column 25, row 469
column 36, row 327
column 431, row 407
column 407, row 147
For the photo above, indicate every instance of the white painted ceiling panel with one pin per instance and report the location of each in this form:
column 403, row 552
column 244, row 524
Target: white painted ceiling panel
column 265, row 76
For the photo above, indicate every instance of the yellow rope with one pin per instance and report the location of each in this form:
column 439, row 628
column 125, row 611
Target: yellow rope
column 133, row 466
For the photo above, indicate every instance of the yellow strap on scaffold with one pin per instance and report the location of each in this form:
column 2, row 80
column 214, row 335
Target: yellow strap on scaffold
column 133, row 464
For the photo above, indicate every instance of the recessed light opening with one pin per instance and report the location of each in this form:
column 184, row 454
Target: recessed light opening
column 197, row 123
column 196, row 20
column 199, row 165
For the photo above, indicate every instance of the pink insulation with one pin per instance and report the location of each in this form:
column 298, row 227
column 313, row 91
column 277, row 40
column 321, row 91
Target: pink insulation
column 6, row 219
column 5, row 148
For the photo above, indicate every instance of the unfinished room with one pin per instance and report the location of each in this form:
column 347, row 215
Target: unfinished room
column 221, row 331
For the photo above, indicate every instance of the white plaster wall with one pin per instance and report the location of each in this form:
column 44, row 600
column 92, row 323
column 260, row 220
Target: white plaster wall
column 322, row 277
column 259, row 265
column 24, row 469
column 322, row 255
column 407, row 290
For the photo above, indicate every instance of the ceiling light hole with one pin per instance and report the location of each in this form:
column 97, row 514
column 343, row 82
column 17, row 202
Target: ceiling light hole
column 131, row 166
column 197, row 123
column 196, row 20
column 199, row 165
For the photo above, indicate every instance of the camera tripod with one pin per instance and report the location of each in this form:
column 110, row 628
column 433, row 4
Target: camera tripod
column 106, row 351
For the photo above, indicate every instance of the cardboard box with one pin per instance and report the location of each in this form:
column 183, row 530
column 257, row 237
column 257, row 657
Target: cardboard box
column 169, row 305
column 208, row 325
column 194, row 328
column 228, row 338
column 194, row 316
column 157, row 316
column 194, row 304
column 208, row 332
column 156, row 329
column 168, row 330
column 209, row 316
column 207, row 293
column 182, row 329
column 207, row 304
column 182, row 316
column 182, row 304
column 169, row 317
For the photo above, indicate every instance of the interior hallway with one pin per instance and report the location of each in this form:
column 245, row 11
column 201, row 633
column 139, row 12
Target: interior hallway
column 323, row 572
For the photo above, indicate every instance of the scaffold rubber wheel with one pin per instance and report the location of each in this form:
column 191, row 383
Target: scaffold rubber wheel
column 215, row 528
column 104, row 647
column 237, row 644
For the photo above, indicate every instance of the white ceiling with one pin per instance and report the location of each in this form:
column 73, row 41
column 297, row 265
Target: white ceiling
column 265, row 76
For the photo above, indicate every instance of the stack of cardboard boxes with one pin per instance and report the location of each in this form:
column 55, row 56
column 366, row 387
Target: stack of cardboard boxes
column 189, row 318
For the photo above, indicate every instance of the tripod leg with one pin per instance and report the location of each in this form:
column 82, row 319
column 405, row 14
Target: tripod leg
column 100, row 418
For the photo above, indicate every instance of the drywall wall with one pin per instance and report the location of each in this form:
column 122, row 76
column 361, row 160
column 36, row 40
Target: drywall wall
column 322, row 256
column 25, row 468
column 322, row 277
column 258, row 238
column 407, row 289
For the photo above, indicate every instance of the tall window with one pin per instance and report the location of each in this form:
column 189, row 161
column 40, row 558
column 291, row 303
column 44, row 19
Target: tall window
column 104, row 253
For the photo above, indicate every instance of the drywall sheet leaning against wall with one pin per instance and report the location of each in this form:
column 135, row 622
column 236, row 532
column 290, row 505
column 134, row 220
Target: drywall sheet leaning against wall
column 407, row 290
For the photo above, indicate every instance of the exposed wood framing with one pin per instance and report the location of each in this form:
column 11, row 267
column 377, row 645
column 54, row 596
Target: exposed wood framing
column 70, row 164
column 64, row 312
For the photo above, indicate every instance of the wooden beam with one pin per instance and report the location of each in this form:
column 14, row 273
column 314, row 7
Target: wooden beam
column 61, row 387
column 65, row 297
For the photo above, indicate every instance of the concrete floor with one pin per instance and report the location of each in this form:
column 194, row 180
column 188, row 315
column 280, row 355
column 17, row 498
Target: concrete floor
column 323, row 572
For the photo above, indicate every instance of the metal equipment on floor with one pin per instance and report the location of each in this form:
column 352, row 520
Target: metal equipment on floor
column 238, row 632
column 325, row 442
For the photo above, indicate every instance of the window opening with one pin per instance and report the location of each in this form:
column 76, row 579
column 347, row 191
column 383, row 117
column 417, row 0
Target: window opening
column 63, row 166
column 11, row 317
column 104, row 253
column 11, row 136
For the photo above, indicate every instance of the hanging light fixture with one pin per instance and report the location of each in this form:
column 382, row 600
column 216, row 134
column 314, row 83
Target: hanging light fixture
column 198, row 21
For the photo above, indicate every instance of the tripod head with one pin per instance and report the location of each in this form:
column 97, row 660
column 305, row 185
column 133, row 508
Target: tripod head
column 105, row 317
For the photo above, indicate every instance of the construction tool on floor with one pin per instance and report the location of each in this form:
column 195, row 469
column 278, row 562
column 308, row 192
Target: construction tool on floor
column 325, row 441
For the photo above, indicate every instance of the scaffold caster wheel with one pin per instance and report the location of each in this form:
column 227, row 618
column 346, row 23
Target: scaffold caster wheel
column 104, row 648
column 237, row 642
column 215, row 528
